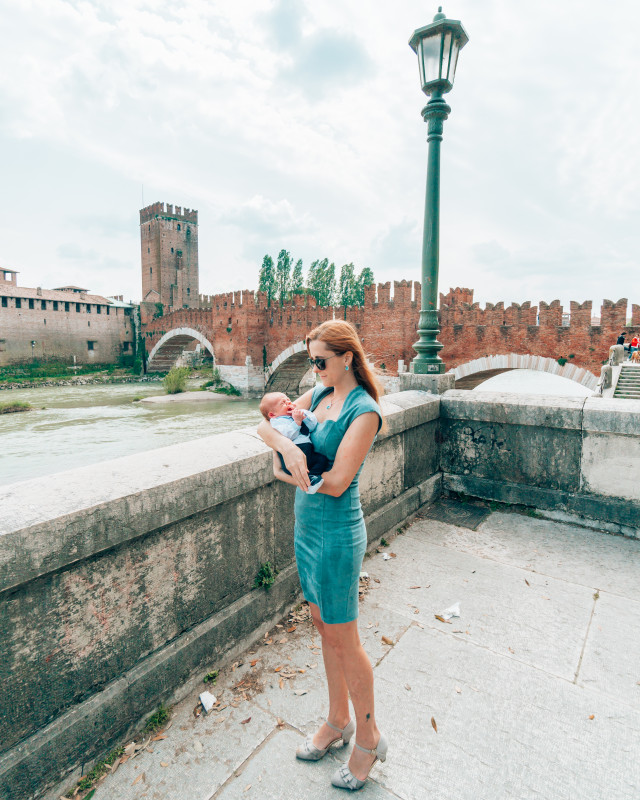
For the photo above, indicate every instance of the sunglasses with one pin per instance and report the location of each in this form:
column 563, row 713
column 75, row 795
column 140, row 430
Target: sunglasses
column 320, row 363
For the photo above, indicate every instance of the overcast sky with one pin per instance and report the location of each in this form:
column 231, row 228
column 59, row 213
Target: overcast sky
column 294, row 124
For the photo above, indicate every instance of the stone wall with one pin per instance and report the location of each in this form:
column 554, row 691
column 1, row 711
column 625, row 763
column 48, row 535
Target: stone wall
column 121, row 581
column 560, row 454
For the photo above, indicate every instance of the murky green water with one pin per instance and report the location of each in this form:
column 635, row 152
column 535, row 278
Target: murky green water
column 72, row 426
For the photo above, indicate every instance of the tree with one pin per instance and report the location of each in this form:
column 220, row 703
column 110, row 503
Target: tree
column 322, row 281
column 347, row 290
column 283, row 273
column 267, row 280
column 365, row 278
column 296, row 285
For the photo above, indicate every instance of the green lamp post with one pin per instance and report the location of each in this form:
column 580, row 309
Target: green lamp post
column 437, row 47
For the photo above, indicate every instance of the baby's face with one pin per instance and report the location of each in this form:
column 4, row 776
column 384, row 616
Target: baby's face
column 281, row 406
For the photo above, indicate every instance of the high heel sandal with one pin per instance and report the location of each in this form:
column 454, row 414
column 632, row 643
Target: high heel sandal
column 309, row 752
column 345, row 779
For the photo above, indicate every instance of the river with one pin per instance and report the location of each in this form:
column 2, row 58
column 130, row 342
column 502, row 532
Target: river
column 73, row 426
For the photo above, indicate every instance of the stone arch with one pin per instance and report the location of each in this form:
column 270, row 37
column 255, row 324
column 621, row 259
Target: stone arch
column 503, row 363
column 167, row 351
column 286, row 371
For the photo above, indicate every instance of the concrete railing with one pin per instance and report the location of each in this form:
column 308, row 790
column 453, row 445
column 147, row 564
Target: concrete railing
column 565, row 455
column 122, row 581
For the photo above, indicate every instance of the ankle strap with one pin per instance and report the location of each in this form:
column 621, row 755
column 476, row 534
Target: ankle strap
column 373, row 752
column 334, row 727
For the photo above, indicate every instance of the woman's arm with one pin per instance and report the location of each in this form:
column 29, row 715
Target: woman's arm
column 279, row 473
column 351, row 453
column 294, row 458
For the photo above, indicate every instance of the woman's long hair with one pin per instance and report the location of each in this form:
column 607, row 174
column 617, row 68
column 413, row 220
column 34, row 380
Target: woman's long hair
column 340, row 337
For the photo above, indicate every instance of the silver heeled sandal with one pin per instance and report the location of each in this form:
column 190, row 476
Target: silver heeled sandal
column 345, row 779
column 309, row 752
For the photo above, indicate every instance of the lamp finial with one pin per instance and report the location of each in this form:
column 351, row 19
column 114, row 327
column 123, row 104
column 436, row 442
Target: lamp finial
column 439, row 15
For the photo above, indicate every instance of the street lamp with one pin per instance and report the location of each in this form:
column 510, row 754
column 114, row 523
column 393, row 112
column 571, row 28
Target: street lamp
column 437, row 46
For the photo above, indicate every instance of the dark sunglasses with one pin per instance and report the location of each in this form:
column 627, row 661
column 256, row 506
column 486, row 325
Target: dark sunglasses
column 320, row 362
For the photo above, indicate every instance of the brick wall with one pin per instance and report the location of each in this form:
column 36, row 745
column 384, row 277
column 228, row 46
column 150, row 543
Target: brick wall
column 240, row 323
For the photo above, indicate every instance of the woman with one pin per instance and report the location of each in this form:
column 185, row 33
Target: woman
column 330, row 538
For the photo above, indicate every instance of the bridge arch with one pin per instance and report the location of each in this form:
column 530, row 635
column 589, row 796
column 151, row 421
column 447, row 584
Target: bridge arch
column 166, row 352
column 503, row 363
column 286, row 372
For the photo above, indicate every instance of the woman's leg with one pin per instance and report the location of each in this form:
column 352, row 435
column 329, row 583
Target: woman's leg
column 344, row 644
column 338, row 694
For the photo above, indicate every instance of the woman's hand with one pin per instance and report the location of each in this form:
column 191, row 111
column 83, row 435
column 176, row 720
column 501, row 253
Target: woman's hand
column 296, row 462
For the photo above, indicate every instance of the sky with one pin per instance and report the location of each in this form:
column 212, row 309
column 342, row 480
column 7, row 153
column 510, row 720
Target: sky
column 297, row 125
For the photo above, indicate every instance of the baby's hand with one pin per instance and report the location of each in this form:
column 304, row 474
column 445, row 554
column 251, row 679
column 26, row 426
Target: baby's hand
column 298, row 416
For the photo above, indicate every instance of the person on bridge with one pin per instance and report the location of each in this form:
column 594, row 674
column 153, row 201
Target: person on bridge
column 330, row 538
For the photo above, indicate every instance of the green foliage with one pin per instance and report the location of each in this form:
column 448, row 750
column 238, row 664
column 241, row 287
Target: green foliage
column 157, row 720
column 267, row 279
column 562, row 361
column 296, row 284
column 384, row 542
column 230, row 390
column 322, row 282
column 365, row 278
column 572, row 355
column 97, row 772
column 175, row 381
column 283, row 275
column 347, row 286
column 266, row 576
column 159, row 312
column 12, row 408
column 211, row 677
column 37, row 371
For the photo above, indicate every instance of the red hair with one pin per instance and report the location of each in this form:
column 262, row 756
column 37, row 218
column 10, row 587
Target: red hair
column 341, row 337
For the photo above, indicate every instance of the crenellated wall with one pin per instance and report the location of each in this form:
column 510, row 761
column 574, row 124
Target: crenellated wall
column 240, row 324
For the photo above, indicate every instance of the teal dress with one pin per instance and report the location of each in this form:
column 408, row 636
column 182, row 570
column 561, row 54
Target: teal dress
column 330, row 536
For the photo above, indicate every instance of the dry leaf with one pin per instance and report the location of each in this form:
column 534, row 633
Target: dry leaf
column 433, row 725
column 254, row 662
column 197, row 710
column 115, row 765
column 511, row 650
column 387, row 640
column 279, row 722
column 302, row 670
column 407, row 687
column 527, row 582
column 138, row 779
column 269, row 641
column 277, row 669
column 593, row 716
column 158, row 737
column 414, row 587
column 129, row 748
column 458, row 689
column 278, row 625
column 124, row 759
column 281, row 684
column 291, row 629
column 247, row 787
column 244, row 721
column 164, row 763
column 417, row 611
column 442, row 619
column 393, row 555
column 283, row 640
column 312, row 666
column 377, row 580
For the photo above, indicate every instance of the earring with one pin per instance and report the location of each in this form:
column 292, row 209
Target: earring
column 346, row 368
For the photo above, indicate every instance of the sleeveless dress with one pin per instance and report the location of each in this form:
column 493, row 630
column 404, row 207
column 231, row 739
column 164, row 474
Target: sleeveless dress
column 330, row 536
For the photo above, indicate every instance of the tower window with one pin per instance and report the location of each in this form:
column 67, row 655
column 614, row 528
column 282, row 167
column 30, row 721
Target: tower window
column 30, row 303
column 66, row 306
column 150, row 270
column 18, row 303
column 77, row 308
column 55, row 305
column 88, row 308
column 4, row 302
column 91, row 345
column 98, row 310
column 178, row 226
column 43, row 305
column 172, row 249
column 188, row 290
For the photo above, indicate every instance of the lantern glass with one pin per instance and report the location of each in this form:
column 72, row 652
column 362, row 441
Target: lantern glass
column 453, row 60
column 429, row 59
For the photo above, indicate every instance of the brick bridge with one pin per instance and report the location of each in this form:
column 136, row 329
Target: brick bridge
column 255, row 345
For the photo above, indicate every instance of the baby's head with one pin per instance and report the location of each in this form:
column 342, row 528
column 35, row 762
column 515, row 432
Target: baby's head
column 275, row 404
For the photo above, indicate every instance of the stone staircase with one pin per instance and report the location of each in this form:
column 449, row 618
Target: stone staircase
column 628, row 385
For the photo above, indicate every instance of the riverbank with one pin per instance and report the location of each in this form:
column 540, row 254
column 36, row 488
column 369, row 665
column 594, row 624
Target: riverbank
column 80, row 381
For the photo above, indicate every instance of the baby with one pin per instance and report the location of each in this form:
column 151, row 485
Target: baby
column 295, row 424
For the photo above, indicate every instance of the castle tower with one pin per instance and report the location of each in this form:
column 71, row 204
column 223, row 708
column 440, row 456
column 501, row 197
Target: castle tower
column 169, row 249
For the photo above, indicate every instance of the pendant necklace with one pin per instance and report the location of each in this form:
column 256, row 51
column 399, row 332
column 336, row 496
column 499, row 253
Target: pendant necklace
column 333, row 400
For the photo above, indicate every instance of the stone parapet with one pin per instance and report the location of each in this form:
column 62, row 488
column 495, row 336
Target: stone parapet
column 121, row 581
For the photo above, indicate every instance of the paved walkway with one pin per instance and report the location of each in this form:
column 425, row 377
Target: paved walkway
column 535, row 689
